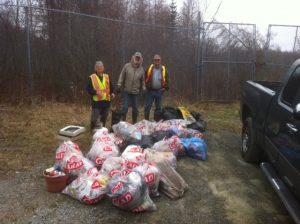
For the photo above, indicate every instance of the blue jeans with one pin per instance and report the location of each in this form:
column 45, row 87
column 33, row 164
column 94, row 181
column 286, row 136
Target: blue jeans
column 133, row 100
column 153, row 95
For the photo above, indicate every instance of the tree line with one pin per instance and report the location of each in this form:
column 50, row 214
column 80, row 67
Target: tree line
column 64, row 46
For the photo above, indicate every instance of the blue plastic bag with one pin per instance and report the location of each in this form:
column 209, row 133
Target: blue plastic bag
column 195, row 148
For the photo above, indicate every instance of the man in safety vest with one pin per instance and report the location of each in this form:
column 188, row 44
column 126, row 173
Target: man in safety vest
column 157, row 82
column 101, row 91
column 132, row 82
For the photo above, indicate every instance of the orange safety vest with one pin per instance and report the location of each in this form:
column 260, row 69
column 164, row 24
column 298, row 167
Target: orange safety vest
column 150, row 72
column 103, row 87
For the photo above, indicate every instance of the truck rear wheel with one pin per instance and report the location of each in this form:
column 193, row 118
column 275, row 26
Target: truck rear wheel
column 250, row 150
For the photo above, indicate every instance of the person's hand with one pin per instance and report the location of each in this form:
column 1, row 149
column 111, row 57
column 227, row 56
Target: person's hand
column 162, row 90
column 113, row 95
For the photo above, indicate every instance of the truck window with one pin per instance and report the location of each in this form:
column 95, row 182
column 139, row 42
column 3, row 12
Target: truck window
column 291, row 93
column 297, row 98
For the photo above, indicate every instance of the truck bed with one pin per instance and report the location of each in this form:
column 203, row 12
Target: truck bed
column 270, row 85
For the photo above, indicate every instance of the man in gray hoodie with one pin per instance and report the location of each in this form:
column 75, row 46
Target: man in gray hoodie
column 132, row 82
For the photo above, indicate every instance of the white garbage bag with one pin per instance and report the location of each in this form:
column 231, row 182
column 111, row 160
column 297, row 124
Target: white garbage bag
column 145, row 127
column 126, row 131
column 89, row 187
column 67, row 146
column 151, row 175
column 102, row 149
column 75, row 164
column 112, row 166
column 172, row 144
column 130, row 192
column 153, row 156
column 133, row 156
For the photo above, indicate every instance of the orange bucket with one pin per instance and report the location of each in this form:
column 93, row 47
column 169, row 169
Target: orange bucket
column 56, row 184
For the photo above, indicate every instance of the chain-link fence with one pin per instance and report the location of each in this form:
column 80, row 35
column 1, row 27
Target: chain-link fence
column 50, row 53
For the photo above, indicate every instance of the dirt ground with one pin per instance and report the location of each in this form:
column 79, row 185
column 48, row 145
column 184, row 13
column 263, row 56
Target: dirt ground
column 223, row 189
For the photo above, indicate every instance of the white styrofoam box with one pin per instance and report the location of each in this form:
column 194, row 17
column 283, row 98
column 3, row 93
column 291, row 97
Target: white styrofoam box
column 71, row 131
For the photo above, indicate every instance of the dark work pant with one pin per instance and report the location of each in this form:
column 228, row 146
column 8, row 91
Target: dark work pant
column 96, row 112
column 133, row 100
column 151, row 96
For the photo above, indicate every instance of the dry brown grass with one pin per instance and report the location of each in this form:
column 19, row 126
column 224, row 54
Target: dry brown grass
column 28, row 133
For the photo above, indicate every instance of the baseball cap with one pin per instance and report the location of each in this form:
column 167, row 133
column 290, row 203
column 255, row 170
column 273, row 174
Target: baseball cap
column 137, row 54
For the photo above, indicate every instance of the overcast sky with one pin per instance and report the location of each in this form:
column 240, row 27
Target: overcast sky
column 260, row 12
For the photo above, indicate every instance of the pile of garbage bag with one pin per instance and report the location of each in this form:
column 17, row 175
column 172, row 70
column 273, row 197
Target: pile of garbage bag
column 134, row 163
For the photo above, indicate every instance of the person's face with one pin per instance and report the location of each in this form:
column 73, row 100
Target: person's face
column 99, row 68
column 156, row 61
column 137, row 60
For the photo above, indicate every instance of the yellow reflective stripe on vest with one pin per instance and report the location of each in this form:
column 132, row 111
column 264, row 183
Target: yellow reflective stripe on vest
column 163, row 76
column 103, row 87
column 149, row 74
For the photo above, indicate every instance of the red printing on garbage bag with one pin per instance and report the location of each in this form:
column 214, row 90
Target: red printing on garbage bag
column 96, row 184
column 123, row 200
column 104, row 139
column 117, row 187
column 131, row 164
column 136, row 149
column 107, row 149
column 73, row 164
column 149, row 178
column 99, row 160
column 76, row 147
column 60, row 155
column 90, row 201
column 126, row 172
column 138, row 209
column 113, row 172
column 173, row 144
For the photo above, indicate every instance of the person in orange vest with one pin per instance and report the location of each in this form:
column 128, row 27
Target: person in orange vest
column 157, row 82
column 101, row 91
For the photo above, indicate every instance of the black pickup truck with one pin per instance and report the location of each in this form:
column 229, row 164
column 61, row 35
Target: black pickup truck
column 270, row 113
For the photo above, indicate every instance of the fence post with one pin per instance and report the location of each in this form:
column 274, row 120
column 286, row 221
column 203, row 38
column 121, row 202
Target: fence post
column 198, row 60
column 202, row 42
column 30, row 76
column 295, row 41
column 254, row 53
column 228, row 63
